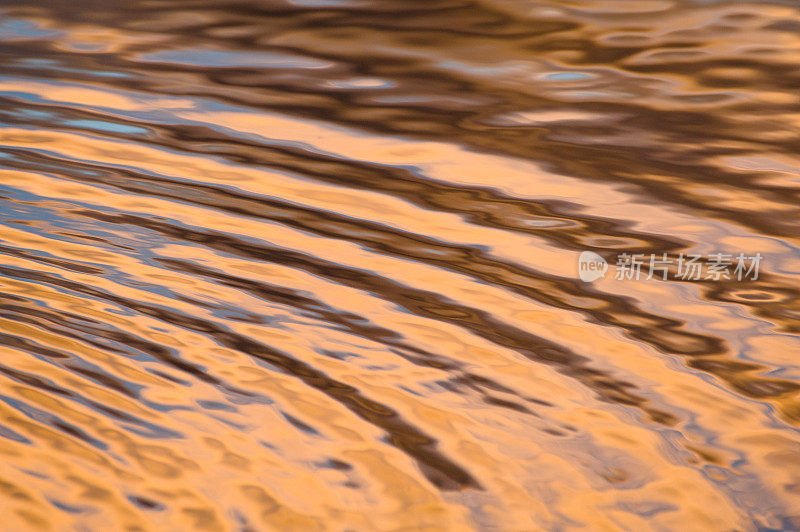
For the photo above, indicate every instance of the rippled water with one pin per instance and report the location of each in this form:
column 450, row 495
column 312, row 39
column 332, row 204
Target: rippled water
column 311, row 264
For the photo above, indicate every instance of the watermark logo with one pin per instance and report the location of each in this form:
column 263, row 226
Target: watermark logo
column 636, row 266
column 591, row 266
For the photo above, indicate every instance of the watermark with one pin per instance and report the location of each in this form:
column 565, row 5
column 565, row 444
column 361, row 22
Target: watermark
column 591, row 266
column 683, row 267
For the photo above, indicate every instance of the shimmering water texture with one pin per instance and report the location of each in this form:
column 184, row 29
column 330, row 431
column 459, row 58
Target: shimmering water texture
column 303, row 265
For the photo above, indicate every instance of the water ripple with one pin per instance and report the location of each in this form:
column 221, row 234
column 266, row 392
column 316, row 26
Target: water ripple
column 311, row 265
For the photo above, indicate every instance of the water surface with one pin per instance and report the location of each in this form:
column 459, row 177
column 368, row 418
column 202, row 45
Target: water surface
column 311, row 265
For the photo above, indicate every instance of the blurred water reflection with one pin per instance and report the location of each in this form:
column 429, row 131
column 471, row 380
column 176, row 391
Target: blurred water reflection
column 311, row 265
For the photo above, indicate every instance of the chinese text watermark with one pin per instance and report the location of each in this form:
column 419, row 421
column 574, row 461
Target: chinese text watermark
column 683, row 267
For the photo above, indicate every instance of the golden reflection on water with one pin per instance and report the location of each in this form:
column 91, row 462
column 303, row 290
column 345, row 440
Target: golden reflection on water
column 311, row 265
